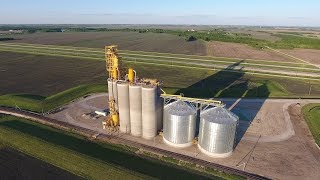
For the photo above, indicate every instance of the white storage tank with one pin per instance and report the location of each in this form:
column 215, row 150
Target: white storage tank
column 149, row 111
column 135, row 109
column 179, row 124
column 124, row 106
column 217, row 132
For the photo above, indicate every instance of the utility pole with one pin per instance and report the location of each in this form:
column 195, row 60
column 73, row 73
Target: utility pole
column 310, row 85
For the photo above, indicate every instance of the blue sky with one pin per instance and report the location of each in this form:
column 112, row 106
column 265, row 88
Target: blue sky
column 209, row 12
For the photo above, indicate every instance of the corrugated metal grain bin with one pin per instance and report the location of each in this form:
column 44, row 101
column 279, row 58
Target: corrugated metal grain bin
column 179, row 124
column 217, row 132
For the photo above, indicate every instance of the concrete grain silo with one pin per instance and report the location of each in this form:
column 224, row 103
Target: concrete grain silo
column 149, row 111
column 124, row 106
column 135, row 109
column 112, row 91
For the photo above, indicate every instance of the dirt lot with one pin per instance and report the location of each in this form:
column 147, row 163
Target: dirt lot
column 16, row 165
column 236, row 50
column 310, row 55
column 125, row 40
column 285, row 149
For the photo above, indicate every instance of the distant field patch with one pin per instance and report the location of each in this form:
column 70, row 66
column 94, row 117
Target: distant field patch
column 310, row 55
column 236, row 50
column 255, row 33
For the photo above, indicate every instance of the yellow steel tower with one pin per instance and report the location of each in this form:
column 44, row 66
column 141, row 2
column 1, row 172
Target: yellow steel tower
column 112, row 62
column 112, row 66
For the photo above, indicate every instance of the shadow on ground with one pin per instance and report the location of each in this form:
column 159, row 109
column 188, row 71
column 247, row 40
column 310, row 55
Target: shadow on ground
column 104, row 152
column 232, row 86
column 17, row 165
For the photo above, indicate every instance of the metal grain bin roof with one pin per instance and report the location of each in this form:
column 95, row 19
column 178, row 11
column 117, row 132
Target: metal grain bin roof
column 180, row 108
column 219, row 115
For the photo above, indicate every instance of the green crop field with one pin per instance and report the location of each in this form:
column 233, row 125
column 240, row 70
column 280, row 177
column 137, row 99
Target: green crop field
column 42, row 104
column 311, row 114
column 286, row 41
column 292, row 41
column 92, row 160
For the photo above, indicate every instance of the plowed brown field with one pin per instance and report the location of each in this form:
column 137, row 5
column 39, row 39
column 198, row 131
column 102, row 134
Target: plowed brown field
column 157, row 42
column 310, row 55
column 236, row 50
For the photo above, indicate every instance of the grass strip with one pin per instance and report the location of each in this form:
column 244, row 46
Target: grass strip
column 311, row 113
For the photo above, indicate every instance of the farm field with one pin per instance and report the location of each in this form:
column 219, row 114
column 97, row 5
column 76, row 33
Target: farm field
column 46, row 75
column 126, row 40
column 152, row 42
column 236, row 50
column 310, row 55
column 247, row 65
column 39, row 103
column 255, row 33
column 64, row 74
column 17, row 165
column 94, row 160
column 55, row 74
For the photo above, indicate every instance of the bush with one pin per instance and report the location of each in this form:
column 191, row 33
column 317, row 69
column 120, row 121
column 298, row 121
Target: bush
column 191, row 38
